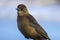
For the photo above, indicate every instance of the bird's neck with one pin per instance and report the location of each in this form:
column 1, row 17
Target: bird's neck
column 22, row 13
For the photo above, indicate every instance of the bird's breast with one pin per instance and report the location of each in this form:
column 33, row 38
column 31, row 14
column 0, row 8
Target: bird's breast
column 25, row 27
column 25, row 21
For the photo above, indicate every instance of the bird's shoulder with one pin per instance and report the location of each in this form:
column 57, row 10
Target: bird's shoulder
column 32, row 20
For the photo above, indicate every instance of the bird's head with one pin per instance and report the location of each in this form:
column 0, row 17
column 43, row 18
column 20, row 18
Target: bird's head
column 22, row 10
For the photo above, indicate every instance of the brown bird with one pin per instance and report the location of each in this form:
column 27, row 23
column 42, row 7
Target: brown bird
column 28, row 25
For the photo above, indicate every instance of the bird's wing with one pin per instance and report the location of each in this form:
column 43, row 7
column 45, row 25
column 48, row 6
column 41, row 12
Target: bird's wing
column 38, row 27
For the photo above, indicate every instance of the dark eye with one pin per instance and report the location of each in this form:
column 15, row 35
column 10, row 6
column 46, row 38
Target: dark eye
column 21, row 8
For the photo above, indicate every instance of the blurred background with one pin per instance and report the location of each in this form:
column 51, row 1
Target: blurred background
column 46, row 12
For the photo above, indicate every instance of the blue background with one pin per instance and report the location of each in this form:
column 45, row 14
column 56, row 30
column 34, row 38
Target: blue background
column 47, row 13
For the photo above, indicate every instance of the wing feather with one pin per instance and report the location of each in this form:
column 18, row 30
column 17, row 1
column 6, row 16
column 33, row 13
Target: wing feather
column 38, row 27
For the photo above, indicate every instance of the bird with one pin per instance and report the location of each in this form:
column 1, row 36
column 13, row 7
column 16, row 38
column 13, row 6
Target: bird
column 28, row 25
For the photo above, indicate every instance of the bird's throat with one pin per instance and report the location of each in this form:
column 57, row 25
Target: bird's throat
column 22, row 13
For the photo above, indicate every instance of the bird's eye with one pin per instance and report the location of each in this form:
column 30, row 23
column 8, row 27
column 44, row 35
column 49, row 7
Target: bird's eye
column 21, row 9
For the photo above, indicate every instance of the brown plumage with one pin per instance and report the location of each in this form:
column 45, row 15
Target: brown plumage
column 28, row 26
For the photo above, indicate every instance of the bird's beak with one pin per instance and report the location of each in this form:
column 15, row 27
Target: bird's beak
column 18, row 9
